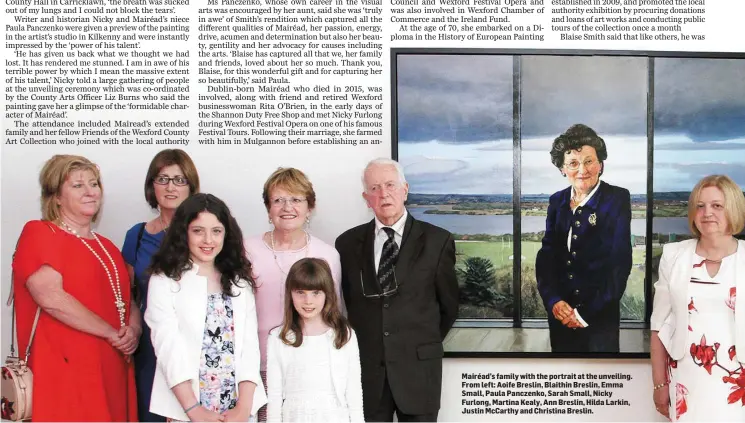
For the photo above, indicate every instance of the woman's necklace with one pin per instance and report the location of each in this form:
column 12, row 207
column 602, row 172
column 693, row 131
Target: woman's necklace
column 707, row 260
column 274, row 251
column 162, row 223
column 114, row 287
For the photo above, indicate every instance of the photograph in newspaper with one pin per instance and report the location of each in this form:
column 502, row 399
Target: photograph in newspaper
column 579, row 151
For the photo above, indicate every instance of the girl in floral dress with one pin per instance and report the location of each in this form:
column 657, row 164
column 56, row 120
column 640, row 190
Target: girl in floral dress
column 202, row 313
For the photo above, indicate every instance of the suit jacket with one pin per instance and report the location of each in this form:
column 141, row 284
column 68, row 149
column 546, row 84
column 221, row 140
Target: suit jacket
column 401, row 336
column 670, row 309
column 176, row 313
column 345, row 375
column 592, row 277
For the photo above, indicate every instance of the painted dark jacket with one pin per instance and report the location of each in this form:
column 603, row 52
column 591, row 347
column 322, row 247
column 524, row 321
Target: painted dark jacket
column 592, row 276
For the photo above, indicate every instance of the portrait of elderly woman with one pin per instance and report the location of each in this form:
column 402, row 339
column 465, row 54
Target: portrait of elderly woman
column 585, row 257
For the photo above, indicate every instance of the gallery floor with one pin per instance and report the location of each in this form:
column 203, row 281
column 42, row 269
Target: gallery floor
column 527, row 340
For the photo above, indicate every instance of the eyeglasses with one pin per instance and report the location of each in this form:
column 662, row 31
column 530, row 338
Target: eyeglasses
column 293, row 201
column 387, row 293
column 165, row 180
column 574, row 164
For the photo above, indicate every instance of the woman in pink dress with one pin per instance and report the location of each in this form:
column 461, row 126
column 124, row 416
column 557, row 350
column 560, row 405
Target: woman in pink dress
column 289, row 199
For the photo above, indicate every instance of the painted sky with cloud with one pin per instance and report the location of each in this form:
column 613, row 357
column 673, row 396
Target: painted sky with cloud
column 699, row 121
column 455, row 120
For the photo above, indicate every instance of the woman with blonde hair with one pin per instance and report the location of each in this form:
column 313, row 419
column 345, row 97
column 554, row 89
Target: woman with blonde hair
column 71, row 292
column 698, row 330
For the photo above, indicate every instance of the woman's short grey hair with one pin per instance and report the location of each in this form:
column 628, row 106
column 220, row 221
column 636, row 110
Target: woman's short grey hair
column 382, row 161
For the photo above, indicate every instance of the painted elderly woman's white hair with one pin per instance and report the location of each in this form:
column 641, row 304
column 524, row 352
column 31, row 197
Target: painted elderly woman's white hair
column 383, row 161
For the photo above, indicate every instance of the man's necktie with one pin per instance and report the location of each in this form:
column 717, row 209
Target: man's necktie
column 388, row 262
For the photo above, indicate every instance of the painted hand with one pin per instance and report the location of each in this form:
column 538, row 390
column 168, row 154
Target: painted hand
column 562, row 310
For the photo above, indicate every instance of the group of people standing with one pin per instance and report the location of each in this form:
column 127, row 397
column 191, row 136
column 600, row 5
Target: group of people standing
column 191, row 321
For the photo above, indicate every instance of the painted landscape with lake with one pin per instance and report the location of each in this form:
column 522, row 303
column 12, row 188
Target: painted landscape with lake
column 483, row 226
column 455, row 138
column 492, row 214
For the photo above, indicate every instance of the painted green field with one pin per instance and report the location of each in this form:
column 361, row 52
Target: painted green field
column 500, row 254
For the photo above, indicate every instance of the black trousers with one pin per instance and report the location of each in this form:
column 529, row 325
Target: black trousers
column 387, row 406
column 602, row 335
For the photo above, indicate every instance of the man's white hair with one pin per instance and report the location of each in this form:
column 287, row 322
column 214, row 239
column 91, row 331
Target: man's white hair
column 383, row 161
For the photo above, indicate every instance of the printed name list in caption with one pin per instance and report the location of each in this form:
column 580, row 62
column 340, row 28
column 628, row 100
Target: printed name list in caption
column 539, row 393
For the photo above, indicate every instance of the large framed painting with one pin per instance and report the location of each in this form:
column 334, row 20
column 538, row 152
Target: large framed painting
column 561, row 174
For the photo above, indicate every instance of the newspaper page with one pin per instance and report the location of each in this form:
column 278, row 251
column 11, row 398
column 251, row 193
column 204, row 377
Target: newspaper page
column 467, row 95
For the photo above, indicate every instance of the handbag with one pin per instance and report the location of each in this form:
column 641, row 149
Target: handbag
column 17, row 382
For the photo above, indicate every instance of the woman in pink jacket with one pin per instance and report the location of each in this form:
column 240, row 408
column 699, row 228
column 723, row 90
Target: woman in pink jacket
column 289, row 199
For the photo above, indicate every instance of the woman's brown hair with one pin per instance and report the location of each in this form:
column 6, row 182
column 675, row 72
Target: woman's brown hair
column 312, row 274
column 166, row 158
